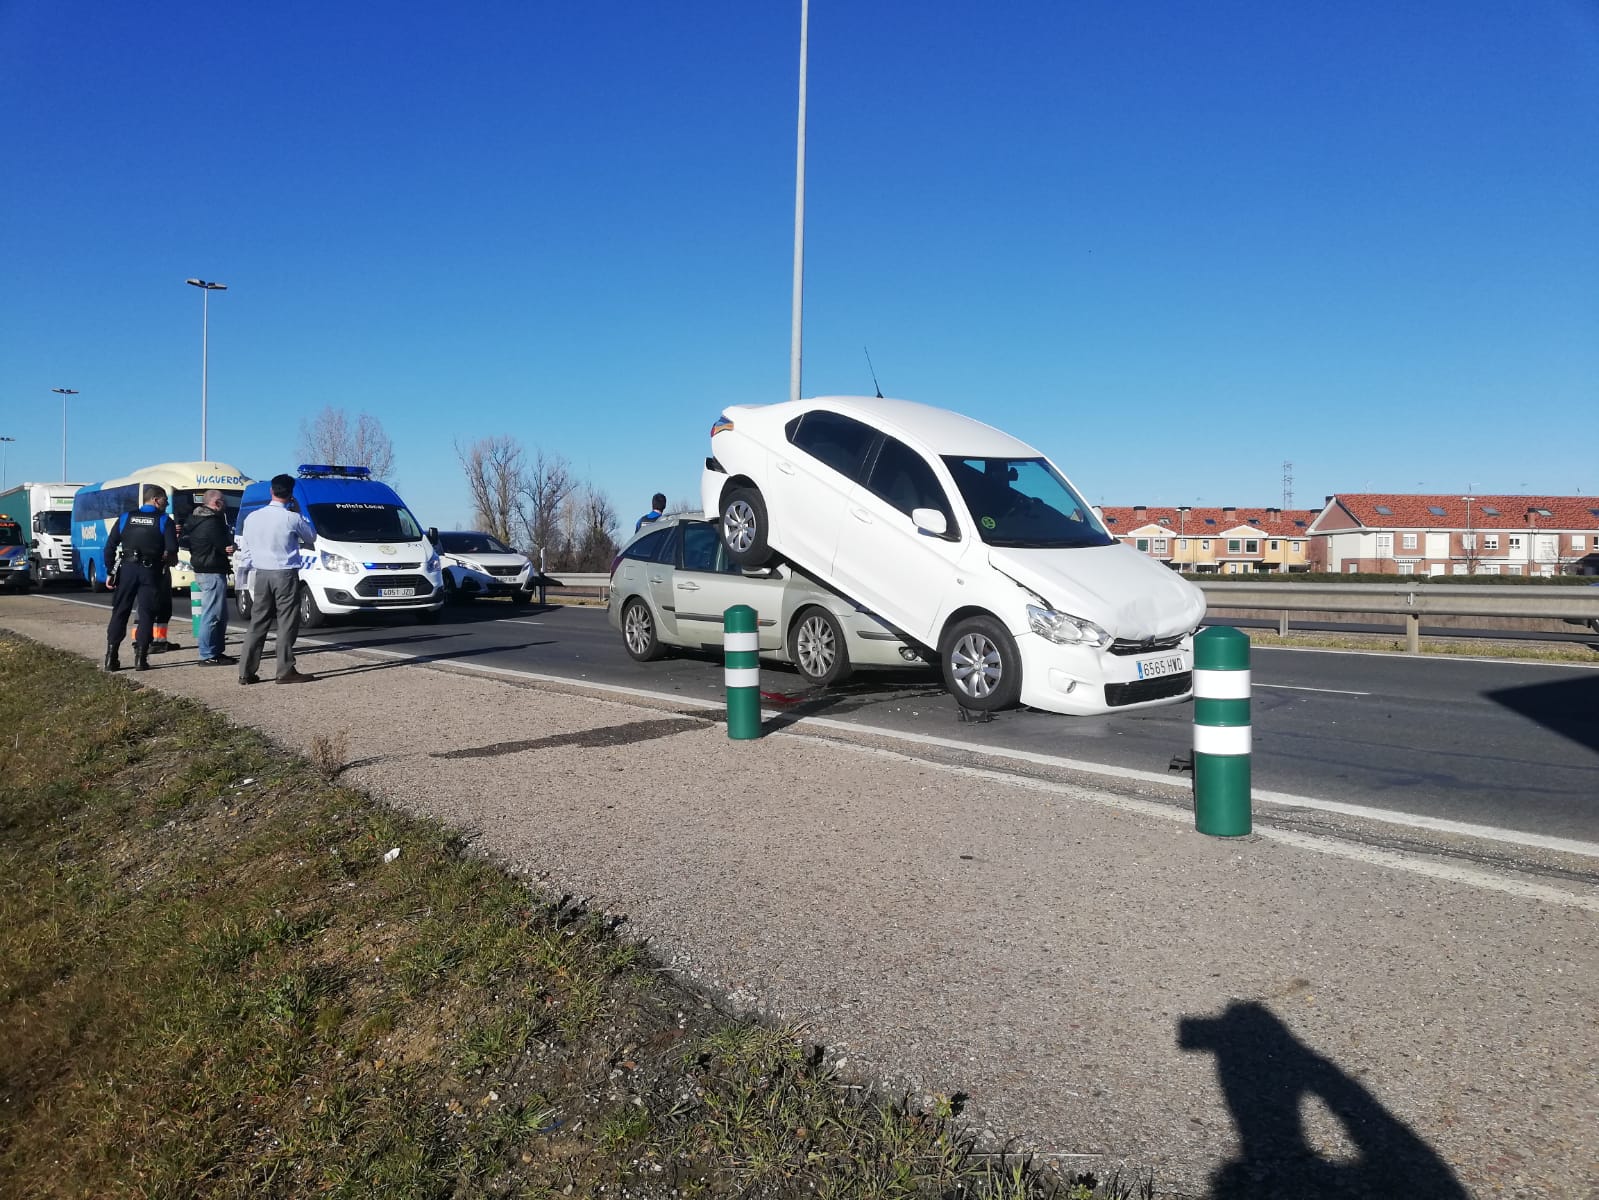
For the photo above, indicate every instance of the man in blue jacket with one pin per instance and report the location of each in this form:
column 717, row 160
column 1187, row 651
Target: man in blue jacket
column 148, row 541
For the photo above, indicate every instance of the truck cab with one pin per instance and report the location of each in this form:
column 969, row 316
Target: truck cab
column 371, row 554
column 44, row 511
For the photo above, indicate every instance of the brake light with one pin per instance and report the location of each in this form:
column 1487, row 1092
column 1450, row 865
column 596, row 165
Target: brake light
column 721, row 425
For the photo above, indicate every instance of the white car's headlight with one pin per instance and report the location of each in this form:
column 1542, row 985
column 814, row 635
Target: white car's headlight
column 472, row 566
column 432, row 564
column 337, row 562
column 1066, row 629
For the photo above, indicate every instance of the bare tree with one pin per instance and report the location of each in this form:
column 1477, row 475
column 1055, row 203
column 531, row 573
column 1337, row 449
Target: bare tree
column 594, row 544
column 330, row 438
column 496, row 474
column 545, row 488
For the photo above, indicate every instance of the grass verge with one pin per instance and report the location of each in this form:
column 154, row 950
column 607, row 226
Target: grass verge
column 216, row 978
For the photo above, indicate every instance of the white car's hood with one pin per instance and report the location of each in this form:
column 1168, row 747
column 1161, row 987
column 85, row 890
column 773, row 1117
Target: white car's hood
column 1126, row 593
column 489, row 560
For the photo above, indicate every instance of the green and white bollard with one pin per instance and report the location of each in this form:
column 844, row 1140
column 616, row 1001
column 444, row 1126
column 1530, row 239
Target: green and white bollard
column 1221, row 732
column 194, row 608
column 742, row 672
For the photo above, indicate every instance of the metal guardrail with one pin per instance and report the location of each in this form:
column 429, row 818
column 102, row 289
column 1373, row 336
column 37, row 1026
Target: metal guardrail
column 583, row 581
column 1409, row 600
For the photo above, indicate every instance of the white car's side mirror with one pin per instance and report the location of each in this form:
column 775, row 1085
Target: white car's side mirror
column 930, row 520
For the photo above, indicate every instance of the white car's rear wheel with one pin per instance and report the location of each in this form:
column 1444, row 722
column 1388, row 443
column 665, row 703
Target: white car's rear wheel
column 982, row 668
column 744, row 528
column 638, row 631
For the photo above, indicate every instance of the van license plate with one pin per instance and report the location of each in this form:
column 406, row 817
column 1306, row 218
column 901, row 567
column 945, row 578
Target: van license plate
column 396, row 593
column 1153, row 668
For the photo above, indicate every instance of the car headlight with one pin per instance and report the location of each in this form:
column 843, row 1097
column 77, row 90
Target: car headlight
column 337, row 562
column 1065, row 629
column 472, row 566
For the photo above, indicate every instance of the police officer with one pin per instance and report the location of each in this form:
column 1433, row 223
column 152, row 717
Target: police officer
column 148, row 540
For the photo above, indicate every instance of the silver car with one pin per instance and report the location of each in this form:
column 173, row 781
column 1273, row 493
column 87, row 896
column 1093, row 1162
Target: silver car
column 672, row 583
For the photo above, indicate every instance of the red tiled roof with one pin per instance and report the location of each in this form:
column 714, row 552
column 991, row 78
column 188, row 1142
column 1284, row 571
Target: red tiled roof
column 1122, row 520
column 1487, row 512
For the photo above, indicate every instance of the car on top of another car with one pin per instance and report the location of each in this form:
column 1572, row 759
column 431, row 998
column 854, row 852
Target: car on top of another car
column 969, row 541
column 673, row 582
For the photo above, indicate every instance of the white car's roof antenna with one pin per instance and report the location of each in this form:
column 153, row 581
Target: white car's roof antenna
column 873, row 370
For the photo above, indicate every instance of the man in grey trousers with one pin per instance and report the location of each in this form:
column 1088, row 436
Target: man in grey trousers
column 272, row 538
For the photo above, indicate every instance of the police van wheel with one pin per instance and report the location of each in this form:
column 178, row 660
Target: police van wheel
column 311, row 617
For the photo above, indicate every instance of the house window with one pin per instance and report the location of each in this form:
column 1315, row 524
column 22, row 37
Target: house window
column 1204, row 544
column 1385, row 545
column 1294, row 547
column 1407, row 568
column 1459, row 568
column 1579, row 541
column 1488, row 569
column 1276, row 545
column 1352, row 568
column 1468, row 541
column 1515, row 542
column 1233, row 545
column 1408, row 541
column 1143, row 544
column 1513, row 569
column 1490, row 541
column 1252, row 546
column 1160, row 545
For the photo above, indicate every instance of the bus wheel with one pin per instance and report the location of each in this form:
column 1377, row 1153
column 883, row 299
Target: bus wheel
column 92, row 575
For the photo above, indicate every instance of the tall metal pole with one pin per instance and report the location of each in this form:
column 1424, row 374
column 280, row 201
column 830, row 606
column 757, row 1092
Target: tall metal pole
column 205, row 342
column 5, row 444
column 64, row 393
column 799, row 210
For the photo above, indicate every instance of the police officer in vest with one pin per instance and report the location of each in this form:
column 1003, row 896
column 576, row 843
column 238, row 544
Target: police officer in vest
column 148, row 540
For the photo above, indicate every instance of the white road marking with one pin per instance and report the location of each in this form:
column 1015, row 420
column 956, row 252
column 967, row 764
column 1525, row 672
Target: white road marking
column 1289, row 687
column 1429, row 658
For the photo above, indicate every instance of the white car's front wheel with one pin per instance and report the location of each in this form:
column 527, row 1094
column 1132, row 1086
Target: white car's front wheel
column 982, row 667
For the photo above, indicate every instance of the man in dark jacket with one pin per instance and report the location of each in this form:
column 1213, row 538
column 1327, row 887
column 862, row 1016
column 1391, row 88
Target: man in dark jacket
column 148, row 542
column 210, row 542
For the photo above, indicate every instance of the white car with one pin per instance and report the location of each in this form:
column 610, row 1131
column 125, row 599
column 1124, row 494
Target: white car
column 479, row 564
column 966, row 540
column 673, row 582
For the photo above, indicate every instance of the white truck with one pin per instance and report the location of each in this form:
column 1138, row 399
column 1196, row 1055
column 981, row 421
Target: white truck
column 44, row 510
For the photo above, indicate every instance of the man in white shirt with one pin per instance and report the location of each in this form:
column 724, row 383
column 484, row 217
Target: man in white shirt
column 274, row 536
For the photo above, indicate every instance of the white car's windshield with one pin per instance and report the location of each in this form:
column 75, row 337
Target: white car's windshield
column 1024, row 502
column 354, row 522
column 472, row 543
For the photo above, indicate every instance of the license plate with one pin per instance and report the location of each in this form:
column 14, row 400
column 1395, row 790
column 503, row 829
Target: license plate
column 396, row 593
column 1153, row 668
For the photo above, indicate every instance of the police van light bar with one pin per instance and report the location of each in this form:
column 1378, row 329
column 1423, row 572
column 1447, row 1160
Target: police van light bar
column 329, row 470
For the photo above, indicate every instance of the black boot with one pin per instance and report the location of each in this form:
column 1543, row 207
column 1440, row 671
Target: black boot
column 112, row 662
column 141, row 658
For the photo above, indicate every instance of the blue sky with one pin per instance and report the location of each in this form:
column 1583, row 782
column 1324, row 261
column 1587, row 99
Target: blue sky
column 1172, row 244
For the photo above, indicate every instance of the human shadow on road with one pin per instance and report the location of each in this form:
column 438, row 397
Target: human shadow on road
column 1563, row 706
column 420, row 660
column 1266, row 1074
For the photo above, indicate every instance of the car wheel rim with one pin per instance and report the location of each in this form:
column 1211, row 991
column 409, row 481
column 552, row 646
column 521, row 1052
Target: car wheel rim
column 638, row 629
column 816, row 649
column 976, row 665
column 738, row 525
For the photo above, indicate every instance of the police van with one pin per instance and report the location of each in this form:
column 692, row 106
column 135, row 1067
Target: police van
column 371, row 554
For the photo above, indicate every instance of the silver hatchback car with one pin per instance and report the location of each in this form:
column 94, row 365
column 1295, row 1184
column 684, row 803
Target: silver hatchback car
column 672, row 583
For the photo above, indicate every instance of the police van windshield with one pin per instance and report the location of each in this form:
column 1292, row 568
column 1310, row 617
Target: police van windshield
column 472, row 543
column 10, row 534
column 185, row 502
column 1023, row 502
column 349, row 521
column 57, row 521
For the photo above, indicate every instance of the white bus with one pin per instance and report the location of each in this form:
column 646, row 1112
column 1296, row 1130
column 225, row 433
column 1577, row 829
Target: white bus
column 96, row 506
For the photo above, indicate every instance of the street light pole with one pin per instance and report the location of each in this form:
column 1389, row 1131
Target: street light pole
column 205, row 337
column 799, row 211
column 1467, row 547
column 1182, row 521
column 64, row 393
column 4, row 444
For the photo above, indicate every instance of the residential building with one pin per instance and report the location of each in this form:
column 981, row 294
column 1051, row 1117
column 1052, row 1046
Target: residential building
column 1227, row 540
column 1455, row 534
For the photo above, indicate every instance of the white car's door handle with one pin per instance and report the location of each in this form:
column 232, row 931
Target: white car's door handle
column 860, row 514
column 688, row 587
column 786, row 468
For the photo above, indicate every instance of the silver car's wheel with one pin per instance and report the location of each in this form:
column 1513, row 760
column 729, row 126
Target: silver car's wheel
column 638, row 631
column 816, row 646
column 981, row 667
